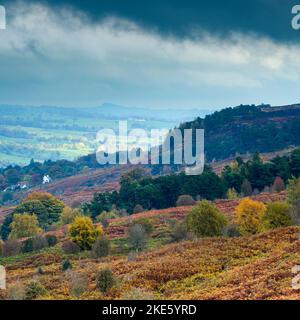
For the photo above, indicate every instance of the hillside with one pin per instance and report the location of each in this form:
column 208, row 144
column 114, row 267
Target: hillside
column 248, row 129
column 53, row 133
column 256, row 267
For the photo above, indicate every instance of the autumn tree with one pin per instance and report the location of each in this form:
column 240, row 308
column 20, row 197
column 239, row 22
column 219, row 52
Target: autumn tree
column 84, row 233
column 248, row 216
column 206, row 220
column 105, row 280
column 100, row 248
column 68, row 215
column 276, row 216
column 137, row 237
column 278, row 185
column 294, row 198
column 246, row 188
column 24, row 225
column 45, row 206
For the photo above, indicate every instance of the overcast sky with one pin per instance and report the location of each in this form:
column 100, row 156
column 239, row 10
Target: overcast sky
column 203, row 54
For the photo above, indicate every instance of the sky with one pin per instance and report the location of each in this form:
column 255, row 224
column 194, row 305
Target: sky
column 155, row 54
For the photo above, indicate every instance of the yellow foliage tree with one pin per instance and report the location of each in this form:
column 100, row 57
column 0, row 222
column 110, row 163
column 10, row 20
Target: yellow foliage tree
column 84, row 233
column 24, row 225
column 248, row 216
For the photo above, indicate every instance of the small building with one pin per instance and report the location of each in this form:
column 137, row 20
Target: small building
column 46, row 179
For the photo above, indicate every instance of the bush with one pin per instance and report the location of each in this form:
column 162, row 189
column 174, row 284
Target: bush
column 69, row 215
column 100, row 248
column 70, row 247
column 16, row 292
column 185, row 200
column 246, row 188
column 47, row 208
column 51, row 240
column 179, row 232
column 276, row 216
column 232, row 194
column 78, row 284
column 232, row 231
column 248, row 216
column 24, row 225
column 145, row 223
column 40, row 271
column 294, row 198
column 66, row 265
column 39, row 243
column 278, row 185
column 83, row 232
column 205, row 220
column 138, row 237
column 27, row 245
column 138, row 209
column 105, row 224
column 105, row 281
column 34, row 290
column 11, row 248
column 107, row 215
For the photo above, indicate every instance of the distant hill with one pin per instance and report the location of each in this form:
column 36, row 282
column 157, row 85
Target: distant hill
column 248, row 129
column 55, row 133
column 169, row 114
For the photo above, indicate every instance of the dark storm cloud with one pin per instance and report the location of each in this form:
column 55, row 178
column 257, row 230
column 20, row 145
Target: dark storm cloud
column 179, row 17
column 51, row 54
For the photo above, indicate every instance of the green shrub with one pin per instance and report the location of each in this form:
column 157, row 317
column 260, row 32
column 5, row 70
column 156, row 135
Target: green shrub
column 294, row 198
column 105, row 280
column 40, row 271
column 78, row 284
column 66, row 265
column 246, row 188
column 11, row 248
column 51, row 239
column 34, row 290
column 39, row 243
column 68, row 215
column 100, row 248
column 27, row 245
column 145, row 223
column 276, row 216
column 232, row 231
column 205, row 220
column 44, row 205
column 179, row 231
column 138, row 237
